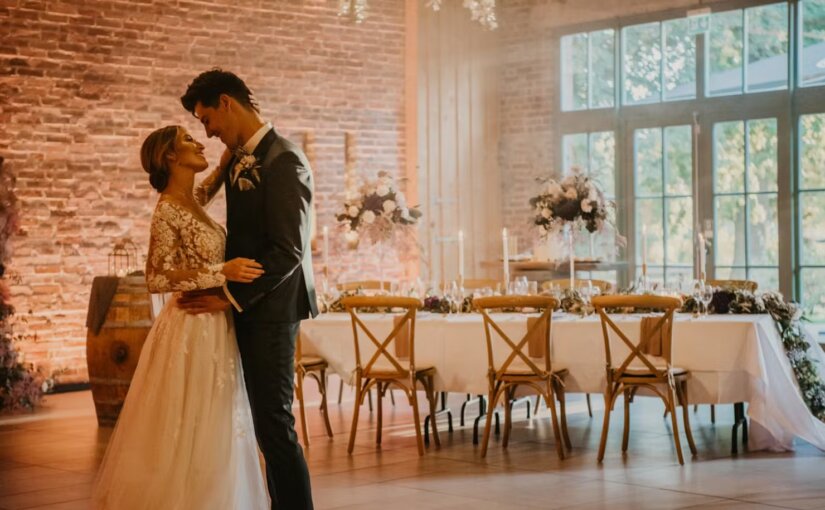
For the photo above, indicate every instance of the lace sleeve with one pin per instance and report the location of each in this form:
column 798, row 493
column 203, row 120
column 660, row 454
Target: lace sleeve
column 165, row 271
column 209, row 187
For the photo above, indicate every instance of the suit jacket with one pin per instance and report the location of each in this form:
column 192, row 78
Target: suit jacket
column 270, row 222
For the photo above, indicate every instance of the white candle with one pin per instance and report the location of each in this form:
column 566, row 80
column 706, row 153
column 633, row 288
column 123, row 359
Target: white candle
column 701, row 256
column 461, row 256
column 644, row 250
column 506, row 249
column 326, row 250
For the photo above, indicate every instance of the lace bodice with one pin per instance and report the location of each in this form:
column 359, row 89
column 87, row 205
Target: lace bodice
column 186, row 251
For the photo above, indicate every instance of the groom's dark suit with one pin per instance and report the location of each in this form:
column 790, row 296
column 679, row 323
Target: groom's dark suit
column 269, row 221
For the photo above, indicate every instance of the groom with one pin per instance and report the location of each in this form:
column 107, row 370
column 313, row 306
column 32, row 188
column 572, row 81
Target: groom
column 269, row 189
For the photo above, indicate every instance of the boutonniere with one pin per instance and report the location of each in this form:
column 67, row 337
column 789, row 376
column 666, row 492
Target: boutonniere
column 248, row 170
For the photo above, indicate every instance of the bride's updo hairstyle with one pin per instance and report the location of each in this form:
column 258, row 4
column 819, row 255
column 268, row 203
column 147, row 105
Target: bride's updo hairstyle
column 153, row 155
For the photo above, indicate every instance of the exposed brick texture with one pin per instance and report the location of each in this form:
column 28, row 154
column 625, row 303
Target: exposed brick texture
column 83, row 82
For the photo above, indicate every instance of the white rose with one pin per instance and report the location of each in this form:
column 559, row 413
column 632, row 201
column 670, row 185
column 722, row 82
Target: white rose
column 352, row 211
column 351, row 236
column 545, row 212
column 382, row 190
column 400, row 199
column 389, row 206
column 586, row 206
column 571, row 193
column 368, row 217
column 553, row 189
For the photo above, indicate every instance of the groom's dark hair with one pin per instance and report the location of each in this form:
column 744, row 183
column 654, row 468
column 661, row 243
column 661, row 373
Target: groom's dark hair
column 208, row 86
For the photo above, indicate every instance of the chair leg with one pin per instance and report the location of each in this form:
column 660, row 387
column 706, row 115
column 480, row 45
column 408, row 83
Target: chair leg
column 379, row 395
column 562, row 407
column 432, row 397
column 463, row 407
column 508, row 416
column 536, row 408
column 322, row 387
column 683, row 397
column 712, row 413
column 626, row 432
column 589, row 407
column 359, row 398
column 369, row 398
column 609, row 398
column 671, row 405
column 551, row 404
column 299, row 393
column 340, row 390
column 491, row 405
column 392, row 397
column 413, row 397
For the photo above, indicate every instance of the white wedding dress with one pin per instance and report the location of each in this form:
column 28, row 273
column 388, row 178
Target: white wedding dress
column 185, row 438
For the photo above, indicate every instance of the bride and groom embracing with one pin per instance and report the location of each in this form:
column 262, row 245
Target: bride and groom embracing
column 216, row 371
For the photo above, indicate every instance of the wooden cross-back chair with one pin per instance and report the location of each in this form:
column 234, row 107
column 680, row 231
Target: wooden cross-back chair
column 564, row 283
column 642, row 370
column 604, row 287
column 480, row 283
column 365, row 285
column 315, row 367
column 519, row 369
column 747, row 285
column 384, row 368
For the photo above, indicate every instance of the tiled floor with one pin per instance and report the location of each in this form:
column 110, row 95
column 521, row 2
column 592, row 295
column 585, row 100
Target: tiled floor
column 48, row 460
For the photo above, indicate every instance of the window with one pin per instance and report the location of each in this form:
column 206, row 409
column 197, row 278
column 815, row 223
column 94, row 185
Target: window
column 758, row 33
column 812, row 65
column 595, row 155
column 745, row 201
column 812, row 213
column 587, row 62
column 663, row 175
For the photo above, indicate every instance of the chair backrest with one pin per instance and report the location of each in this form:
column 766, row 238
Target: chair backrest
column 747, row 285
column 564, row 283
column 480, row 283
column 663, row 308
column 382, row 354
column 364, row 284
column 518, row 356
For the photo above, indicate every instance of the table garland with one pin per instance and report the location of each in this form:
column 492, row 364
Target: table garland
column 787, row 318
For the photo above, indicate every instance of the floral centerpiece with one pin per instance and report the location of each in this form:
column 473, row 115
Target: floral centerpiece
column 377, row 211
column 576, row 199
column 574, row 202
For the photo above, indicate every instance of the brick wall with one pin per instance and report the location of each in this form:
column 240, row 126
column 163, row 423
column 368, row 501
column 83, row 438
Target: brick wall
column 82, row 83
column 529, row 88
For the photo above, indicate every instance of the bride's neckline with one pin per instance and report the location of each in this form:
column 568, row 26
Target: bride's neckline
column 194, row 209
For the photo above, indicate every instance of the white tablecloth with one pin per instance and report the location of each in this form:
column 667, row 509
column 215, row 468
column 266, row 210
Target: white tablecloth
column 732, row 358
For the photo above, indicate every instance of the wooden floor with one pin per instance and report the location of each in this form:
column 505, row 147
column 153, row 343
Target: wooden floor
column 48, row 461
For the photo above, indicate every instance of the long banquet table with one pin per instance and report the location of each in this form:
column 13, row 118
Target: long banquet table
column 732, row 358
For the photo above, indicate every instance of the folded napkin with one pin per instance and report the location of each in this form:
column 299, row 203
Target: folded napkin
column 658, row 343
column 103, row 290
column 536, row 344
column 402, row 339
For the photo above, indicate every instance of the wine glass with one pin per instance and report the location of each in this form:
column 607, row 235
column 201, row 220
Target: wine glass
column 706, row 296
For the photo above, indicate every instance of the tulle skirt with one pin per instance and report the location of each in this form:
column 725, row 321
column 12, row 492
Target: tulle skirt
column 184, row 439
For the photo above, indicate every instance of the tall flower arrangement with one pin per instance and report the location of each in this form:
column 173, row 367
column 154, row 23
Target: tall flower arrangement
column 377, row 211
column 576, row 199
column 21, row 387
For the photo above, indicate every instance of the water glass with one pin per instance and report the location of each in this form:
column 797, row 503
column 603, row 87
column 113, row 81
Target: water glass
column 533, row 288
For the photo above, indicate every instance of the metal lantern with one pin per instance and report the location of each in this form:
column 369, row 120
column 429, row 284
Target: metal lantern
column 123, row 258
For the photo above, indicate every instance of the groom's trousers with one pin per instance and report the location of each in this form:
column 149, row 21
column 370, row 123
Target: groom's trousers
column 268, row 357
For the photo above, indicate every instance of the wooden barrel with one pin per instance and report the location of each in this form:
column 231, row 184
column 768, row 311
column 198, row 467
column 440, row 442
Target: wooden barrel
column 113, row 353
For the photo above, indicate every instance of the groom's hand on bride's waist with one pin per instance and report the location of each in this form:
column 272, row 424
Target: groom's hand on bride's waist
column 203, row 301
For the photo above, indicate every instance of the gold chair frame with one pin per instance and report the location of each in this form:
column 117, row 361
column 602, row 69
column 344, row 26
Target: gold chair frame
column 315, row 367
column 627, row 379
column 405, row 378
column 503, row 379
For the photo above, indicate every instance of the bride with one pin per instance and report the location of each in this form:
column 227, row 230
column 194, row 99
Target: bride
column 185, row 438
